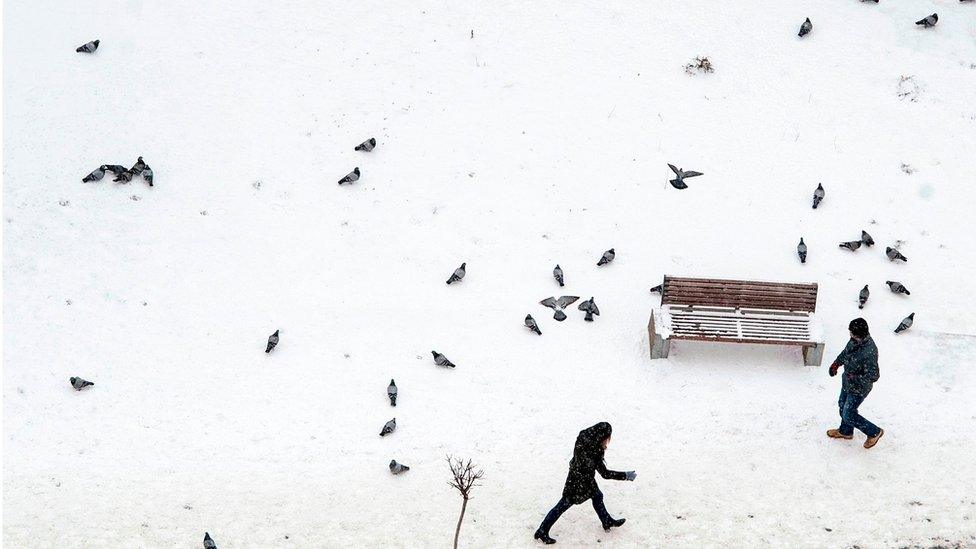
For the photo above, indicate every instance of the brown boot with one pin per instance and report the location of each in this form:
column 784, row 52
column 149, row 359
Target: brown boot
column 834, row 433
column 869, row 443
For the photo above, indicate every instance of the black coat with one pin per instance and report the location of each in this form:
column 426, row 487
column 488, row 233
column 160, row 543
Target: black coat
column 860, row 362
column 588, row 460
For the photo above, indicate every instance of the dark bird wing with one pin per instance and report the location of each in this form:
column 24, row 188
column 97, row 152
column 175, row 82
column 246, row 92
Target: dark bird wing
column 549, row 302
column 691, row 173
column 675, row 170
column 566, row 301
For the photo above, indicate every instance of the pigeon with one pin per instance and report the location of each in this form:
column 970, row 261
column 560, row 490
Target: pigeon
column 607, row 257
column 391, row 392
column 442, row 360
column 805, row 28
column 79, row 383
column 96, row 175
column 351, row 177
column 557, row 273
column 875, row 1
column 897, row 287
column 531, row 324
column 905, row 324
column 866, row 239
column 862, row 297
column 559, row 304
column 590, row 308
column 367, row 145
column 929, row 21
column 818, row 195
column 208, row 542
column 679, row 177
column 458, row 274
column 124, row 177
column 138, row 166
column 89, row 47
column 115, row 168
column 801, row 250
column 147, row 174
column 272, row 341
column 397, row 468
column 894, row 254
column 657, row 289
column 388, row 428
column 853, row 245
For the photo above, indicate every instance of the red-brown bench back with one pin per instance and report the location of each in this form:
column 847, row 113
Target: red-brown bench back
column 741, row 294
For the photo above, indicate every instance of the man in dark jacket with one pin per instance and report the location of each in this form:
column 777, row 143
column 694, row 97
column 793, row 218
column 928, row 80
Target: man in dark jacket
column 581, row 484
column 860, row 361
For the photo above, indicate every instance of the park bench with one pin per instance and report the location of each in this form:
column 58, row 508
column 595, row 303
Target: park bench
column 736, row 311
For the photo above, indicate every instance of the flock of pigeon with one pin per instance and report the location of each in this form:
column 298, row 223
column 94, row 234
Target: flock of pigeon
column 122, row 175
column 926, row 22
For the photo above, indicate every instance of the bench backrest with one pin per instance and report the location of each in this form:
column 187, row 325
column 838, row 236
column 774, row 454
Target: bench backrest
column 741, row 294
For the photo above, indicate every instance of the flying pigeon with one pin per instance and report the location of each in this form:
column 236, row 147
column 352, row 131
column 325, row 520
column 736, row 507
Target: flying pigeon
column 208, row 542
column 559, row 304
column 147, row 174
column 138, row 166
column 818, row 195
column 657, row 289
column 397, row 468
column 929, row 21
column 89, row 47
column 458, row 274
column 79, row 383
column 607, row 257
column 801, row 250
column 853, row 245
column 441, row 360
column 897, row 287
column 115, row 168
column 351, row 177
column 531, row 324
column 680, row 175
column 96, row 175
column 367, row 145
column 805, row 28
column 862, row 297
column 388, row 428
column 866, row 239
column 590, row 308
column 557, row 273
column 905, row 324
column 894, row 254
column 124, row 177
column 272, row 341
column 391, row 392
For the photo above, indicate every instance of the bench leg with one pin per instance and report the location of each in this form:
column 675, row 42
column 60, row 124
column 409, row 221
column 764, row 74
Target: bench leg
column 660, row 347
column 813, row 356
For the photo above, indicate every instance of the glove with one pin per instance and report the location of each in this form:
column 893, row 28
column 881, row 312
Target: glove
column 631, row 475
column 833, row 369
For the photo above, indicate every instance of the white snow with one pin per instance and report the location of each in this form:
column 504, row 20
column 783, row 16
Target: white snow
column 543, row 139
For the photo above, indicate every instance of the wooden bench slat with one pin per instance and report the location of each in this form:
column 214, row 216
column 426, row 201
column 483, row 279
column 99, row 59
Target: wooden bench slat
column 690, row 280
column 756, row 341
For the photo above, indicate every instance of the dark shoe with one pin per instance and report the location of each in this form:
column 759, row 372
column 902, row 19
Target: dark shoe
column 614, row 523
column 869, row 443
column 834, row 433
column 544, row 537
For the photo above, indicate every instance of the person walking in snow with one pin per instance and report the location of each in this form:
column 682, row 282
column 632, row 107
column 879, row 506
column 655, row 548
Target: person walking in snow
column 581, row 485
column 860, row 361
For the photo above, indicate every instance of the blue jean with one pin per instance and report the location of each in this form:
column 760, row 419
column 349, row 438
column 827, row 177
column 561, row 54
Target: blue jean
column 563, row 505
column 850, row 419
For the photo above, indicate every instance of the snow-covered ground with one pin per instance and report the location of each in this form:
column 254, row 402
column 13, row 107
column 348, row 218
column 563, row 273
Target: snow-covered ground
column 542, row 139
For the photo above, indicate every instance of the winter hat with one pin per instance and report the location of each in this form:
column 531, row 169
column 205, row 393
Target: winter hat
column 858, row 327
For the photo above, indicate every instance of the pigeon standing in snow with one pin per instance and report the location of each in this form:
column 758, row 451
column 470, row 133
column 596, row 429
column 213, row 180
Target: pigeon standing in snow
column 531, row 324
column 147, row 174
column 590, row 308
column 388, row 428
column 557, row 273
column 657, row 289
column 367, row 145
column 96, row 175
column 79, row 383
column 866, row 239
column 680, row 175
column 897, row 287
column 805, row 28
column 607, row 257
column 559, row 304
column 391, row 392
column 208, row 542
column 801, row 250
column 441, row 360
column 89, row 47
column 862, row 297
column 272, row 341
column 905, row 324
column 929, row 21
column 853, row 245
column 138, row 166
column 458, row 274
column 894, row 254
column 115, row 168
column 397, row 468
column 124, row 177
column 350, row 177
column 818, row 195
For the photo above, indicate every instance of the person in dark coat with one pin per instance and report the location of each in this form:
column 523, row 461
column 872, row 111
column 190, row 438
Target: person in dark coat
column 580, row 483
column 860, row 361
